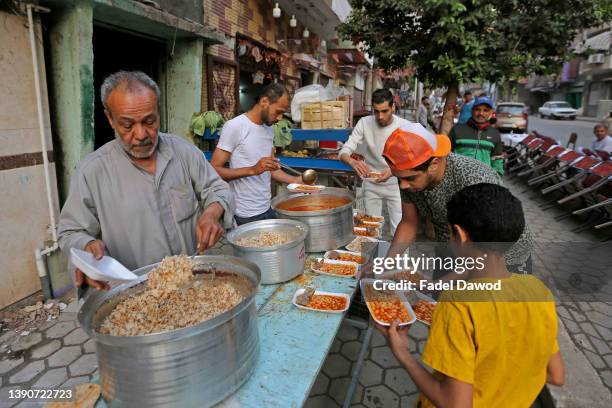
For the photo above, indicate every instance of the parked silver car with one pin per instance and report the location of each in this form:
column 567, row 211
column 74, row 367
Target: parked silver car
column 511, row 117
column 557, row 110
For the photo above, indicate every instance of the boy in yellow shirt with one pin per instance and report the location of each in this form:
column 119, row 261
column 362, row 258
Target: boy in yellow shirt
column 489, row 348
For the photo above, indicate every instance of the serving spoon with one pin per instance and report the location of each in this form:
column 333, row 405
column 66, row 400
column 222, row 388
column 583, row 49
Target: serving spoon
column 308, row 176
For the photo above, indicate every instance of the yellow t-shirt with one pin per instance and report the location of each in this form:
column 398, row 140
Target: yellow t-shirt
column 501, row 347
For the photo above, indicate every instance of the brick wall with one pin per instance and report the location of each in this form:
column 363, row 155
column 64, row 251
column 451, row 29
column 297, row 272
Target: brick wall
column 252, row 19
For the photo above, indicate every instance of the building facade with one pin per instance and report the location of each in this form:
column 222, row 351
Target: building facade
column 204, row 54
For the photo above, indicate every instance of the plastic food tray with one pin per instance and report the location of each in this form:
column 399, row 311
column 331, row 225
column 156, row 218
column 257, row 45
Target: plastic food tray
column 340, row 251
column 331, row 261
column 368, row 282
column 353, row 245
column 320, row 292
column 364, row 229
column 295, row 188
column 414, row 296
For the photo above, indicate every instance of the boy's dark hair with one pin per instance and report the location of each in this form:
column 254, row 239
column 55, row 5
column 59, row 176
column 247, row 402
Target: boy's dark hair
column 467, row 93
column 490, row 214
column 273, row 92
column 425, row 98
column 382, row 95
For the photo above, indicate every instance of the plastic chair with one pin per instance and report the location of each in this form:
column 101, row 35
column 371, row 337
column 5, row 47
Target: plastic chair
column 582, row 166
column 572, row 140
column 549, row 158
column 530, row 150
column 564, row 162
column 603, row 171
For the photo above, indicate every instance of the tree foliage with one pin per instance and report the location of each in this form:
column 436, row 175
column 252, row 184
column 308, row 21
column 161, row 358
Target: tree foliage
column 455, row 41
column 463, row 41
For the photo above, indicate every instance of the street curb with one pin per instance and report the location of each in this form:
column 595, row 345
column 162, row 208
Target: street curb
column 589, row 119
column 583, row 386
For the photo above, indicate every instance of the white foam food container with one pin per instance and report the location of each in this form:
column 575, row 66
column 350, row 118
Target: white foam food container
column 364, row 229
column 331, row 261
column 320, row 292
column 298, row 188
column 353, row 246
column 363, row 283
column 104, row 269
column 415, row 296
column 377, row 224
column 340, row 251
column 373, row 175
column 378, row 218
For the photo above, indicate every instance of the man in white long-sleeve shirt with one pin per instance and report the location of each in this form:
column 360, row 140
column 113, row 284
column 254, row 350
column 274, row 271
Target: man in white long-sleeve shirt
column 370, row 134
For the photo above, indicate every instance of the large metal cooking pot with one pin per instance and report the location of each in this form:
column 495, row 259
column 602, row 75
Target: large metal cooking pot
column 278, row 263
column 330, row 228
column 196, row 366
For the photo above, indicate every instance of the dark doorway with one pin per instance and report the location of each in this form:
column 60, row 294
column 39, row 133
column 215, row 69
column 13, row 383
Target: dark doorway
column 307, row 77
column 250, row 91
column 116, row 50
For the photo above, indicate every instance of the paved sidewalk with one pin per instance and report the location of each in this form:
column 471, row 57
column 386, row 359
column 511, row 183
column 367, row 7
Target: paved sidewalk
column 587, row 320
column 59, row 354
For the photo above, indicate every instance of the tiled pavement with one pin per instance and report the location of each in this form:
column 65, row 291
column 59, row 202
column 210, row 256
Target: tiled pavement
column 59, row 353
column 588, row 319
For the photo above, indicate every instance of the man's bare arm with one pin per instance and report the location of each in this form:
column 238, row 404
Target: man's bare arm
column 220, row 157
column 405, row 234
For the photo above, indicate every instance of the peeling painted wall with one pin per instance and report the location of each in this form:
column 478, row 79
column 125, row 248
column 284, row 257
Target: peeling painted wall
column 73, row 93
column 184, row 85
column 24, row 216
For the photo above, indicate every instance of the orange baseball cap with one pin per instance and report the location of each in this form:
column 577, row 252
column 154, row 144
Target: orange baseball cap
column 411, row 145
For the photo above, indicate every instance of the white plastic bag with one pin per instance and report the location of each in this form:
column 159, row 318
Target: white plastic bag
column 305, row 95
column 336, row 91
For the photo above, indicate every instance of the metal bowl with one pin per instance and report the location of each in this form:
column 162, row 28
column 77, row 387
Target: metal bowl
column 278, row 263
column 329, row 228
column 196, row 366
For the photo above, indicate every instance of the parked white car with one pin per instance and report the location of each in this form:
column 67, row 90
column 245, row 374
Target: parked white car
column 557, row 110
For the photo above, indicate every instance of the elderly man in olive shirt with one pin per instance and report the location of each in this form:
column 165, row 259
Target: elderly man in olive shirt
column 146, row 194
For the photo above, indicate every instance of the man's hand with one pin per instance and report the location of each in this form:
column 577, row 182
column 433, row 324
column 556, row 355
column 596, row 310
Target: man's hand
column 96, row 248
column 208, row 228
column 265, row 164
column 385, row 175
column 360, row 167
column 397, row 337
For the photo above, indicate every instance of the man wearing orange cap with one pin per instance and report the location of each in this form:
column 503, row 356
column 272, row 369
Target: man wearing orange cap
column 429, row 175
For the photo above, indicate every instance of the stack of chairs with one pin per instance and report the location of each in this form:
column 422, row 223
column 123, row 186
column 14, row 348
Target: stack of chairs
column 573, row 176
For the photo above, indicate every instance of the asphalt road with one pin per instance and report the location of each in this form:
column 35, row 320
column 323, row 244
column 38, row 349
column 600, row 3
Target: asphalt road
column 561, row 129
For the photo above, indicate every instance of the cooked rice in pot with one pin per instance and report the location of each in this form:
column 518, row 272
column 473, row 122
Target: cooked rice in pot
column 266, row 239
column 166, row 304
